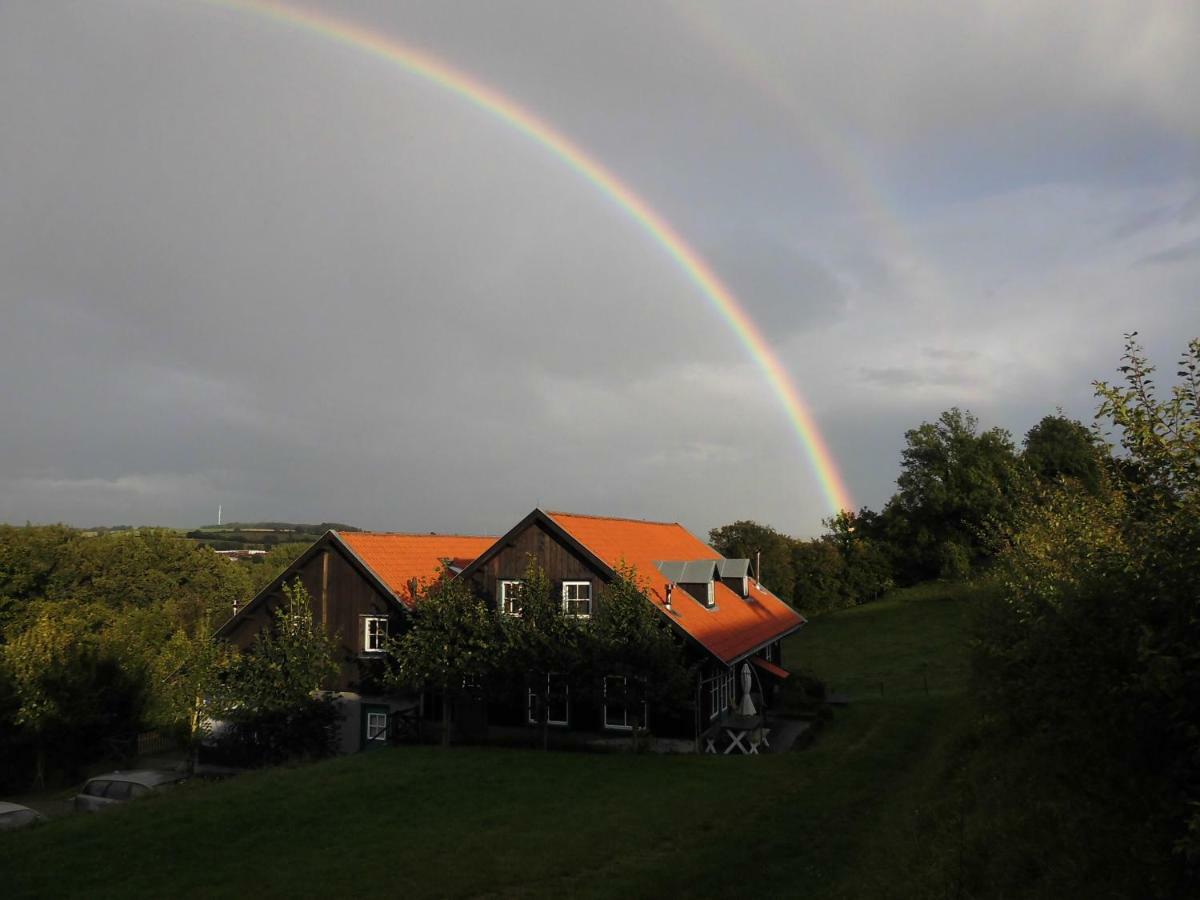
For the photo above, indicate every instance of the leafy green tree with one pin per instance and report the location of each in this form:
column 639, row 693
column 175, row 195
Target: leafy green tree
column 1089, row 663
column 745, row 539
column 540, row 643
column 72, row 694
column 273, row 695
column 189, row 678
column 1058, row 447
column 152, row 568
column 289, row 662
column 451, row 646
column 956, row 483
column 29, row 558
column 820, row 576
column 629, row 637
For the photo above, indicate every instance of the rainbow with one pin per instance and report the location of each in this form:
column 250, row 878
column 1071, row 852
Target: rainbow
column 491, row 101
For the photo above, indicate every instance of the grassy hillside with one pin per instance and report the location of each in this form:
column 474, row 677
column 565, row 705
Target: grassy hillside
column 849, row 817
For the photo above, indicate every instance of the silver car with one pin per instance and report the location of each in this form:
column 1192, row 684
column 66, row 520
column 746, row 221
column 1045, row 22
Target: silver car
column 14, row 815
column 119, row 787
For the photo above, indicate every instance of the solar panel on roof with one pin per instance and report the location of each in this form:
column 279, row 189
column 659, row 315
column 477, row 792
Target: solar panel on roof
column 692, row 571
column 733, row 568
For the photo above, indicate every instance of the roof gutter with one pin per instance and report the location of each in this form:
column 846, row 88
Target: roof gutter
column 737, row 659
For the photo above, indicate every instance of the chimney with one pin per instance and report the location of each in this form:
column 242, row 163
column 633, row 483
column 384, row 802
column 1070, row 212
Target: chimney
column 667, row 593
column 758, row 570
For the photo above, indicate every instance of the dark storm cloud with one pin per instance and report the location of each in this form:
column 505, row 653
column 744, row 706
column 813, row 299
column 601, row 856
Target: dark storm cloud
column 241, row 264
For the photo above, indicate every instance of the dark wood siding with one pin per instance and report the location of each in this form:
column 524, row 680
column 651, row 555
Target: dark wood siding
column 341, row 596
column 560, row 563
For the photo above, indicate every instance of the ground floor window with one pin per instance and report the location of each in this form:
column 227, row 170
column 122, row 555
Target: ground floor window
column 722, row 692
column 556, row 696
column 620, row 710
column 377, row 726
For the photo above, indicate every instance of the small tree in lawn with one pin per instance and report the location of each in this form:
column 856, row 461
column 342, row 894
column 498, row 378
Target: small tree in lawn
column 450, row 645
column 629, row 637
column 290, row 662
column 276, row 686
column 187, row 682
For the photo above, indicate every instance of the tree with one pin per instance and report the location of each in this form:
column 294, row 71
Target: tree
column 540, row 646
column 292, row 660
column 71, row 693
column 955, row 484
column 151, row 568
column 1058, row 447
column 745, row 539
column 451, row 645
column 189, row 678
column 630, row 638
column 1089, row 663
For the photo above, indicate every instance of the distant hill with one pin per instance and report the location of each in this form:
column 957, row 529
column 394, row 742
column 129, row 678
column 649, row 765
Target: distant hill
column 262, row 535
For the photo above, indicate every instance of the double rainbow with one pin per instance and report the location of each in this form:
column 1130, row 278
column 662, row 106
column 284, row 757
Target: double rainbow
column 491, row 101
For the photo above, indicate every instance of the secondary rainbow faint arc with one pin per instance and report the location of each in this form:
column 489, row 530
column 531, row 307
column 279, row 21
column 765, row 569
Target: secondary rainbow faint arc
column 436, row 71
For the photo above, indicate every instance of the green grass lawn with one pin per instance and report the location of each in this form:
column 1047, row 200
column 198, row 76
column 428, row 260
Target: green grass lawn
column 845, row 818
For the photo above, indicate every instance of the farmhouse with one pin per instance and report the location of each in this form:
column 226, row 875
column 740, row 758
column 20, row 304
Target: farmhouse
column 361, row 585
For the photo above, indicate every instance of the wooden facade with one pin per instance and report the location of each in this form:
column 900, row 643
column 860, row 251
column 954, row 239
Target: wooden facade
column 343, row 595
column 509, row 562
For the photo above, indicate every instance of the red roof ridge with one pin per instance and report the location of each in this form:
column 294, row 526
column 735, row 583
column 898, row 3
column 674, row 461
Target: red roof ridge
column 574, row 515
column 428, row 534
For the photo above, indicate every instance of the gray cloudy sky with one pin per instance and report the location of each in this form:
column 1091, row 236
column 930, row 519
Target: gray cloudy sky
column 242, row 264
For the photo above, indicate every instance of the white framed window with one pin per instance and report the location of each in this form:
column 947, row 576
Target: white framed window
column 377, row 726
column 616, row 704
column 508, row 599
column 721, row 693
column 557, row 698
column 577, row 599
column 375, row 629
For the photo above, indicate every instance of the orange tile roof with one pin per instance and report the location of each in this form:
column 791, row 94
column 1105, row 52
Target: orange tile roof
column 399, row 558
column 735, row 626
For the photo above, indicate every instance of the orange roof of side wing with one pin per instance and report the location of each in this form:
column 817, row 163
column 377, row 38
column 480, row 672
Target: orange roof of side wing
column 732, row 628
column 399, row 559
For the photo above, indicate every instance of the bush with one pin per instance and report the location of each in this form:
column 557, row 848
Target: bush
column 269, row 737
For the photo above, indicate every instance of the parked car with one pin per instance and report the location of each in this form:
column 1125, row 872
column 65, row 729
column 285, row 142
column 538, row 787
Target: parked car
column 118, row 787
column 14, row 815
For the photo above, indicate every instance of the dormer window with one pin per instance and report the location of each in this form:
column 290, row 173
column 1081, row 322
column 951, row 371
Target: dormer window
column 735, row 573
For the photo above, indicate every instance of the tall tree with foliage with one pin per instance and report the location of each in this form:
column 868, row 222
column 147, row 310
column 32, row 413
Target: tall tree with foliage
column 1058, row 447
column 745, row 539
column 955, row 484
column 542, row 646
column 275, row 691
column 451, row 646
column 629, row 637
column 189, row 678
column 72, row 693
